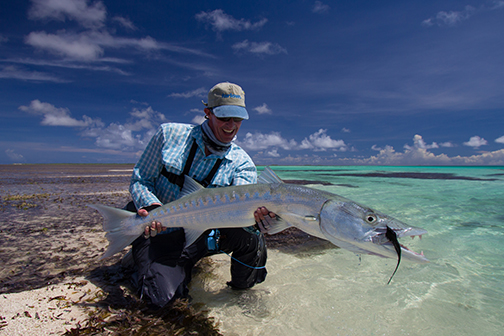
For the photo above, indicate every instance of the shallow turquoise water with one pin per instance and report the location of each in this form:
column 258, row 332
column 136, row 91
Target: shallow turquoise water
column 334, row 292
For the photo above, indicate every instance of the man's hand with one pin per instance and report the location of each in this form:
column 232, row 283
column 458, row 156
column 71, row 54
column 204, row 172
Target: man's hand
column 155, row 227
column 264, row 219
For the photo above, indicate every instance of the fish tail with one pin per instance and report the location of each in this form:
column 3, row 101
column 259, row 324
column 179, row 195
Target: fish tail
column 112, row 224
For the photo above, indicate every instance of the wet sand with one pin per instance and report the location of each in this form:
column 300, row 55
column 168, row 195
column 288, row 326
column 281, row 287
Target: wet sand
column 52, row 280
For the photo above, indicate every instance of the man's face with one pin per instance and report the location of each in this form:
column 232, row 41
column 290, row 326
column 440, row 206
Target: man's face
column 224, row 129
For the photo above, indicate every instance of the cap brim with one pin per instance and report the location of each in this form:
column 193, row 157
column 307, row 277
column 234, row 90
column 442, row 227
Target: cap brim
column 226, row 111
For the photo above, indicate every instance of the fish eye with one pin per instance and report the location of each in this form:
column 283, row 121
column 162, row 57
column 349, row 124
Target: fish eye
column 371, row 218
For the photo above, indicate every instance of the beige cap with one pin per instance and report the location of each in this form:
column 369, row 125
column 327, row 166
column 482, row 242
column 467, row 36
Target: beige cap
column 227, row 100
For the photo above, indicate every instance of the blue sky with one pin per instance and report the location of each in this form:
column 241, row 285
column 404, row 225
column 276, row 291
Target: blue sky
column 326, row 82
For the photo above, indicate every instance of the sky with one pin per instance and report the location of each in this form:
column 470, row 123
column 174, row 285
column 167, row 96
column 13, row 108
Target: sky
column 326, row 82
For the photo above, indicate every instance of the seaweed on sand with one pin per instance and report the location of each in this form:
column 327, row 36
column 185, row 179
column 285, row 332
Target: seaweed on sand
column 136, row 319
column 117, row 311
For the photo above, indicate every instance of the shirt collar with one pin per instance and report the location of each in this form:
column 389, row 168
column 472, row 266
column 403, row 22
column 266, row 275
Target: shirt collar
column 197, row 135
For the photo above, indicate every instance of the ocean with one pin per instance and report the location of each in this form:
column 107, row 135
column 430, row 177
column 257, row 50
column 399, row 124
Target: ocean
column 336, row 292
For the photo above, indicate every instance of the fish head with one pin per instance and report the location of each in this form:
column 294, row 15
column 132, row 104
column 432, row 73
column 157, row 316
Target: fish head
column 363, row 230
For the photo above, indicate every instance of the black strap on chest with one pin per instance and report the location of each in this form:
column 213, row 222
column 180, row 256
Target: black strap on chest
column 179, row 179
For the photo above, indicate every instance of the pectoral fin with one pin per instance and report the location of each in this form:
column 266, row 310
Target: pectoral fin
column 192, row 235
column 278, row 225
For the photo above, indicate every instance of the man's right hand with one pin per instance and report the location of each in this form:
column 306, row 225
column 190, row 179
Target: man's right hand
column 155, row 227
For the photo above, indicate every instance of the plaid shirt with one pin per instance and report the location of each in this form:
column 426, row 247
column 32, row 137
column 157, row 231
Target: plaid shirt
column 170, row 147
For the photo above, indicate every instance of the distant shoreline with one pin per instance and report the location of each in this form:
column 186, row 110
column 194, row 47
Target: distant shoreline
column 262, row 166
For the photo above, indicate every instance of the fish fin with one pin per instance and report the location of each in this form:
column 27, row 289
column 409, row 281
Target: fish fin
column 191, row 235
column 190, row 186
column 278, row 225
column 112, row 224
column 268, row 176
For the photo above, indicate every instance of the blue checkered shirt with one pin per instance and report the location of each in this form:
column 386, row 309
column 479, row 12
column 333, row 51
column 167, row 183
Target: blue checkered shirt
column 169, row 148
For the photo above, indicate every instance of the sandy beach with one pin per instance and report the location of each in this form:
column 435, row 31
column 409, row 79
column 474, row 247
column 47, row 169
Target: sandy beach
column 50, row 310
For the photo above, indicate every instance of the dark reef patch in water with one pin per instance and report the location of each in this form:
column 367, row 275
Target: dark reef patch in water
column 305, row 182
column 412, row 175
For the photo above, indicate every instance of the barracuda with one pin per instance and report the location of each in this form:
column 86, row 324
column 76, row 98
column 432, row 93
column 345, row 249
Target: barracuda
column 322, row 214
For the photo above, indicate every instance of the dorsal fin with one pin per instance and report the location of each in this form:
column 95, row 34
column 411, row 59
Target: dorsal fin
column 190, row 186
column 268, row 176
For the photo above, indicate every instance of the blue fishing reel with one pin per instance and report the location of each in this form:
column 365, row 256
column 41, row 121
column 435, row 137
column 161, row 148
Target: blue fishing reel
column 213, row 240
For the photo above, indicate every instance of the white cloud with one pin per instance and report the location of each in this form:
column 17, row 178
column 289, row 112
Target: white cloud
column 476, row 142
column 201, row 92
column 116, row 136
column 418, row 142
column 345, row 130
column 500, row 140
column 76, row 46
column 126, row 23
column 452, row 18
column 319, row 7
column 54, row 116
column 259, row 141
column 73, row 65
column 13, row 156
column 22, row 74
column 411, row 156
column 133, row 135
column 88, row 15
column 145, row 119
column 221, row 21
column 259, row 48
column 320, row 141
column 273, row 153
column 198, row 120
column 497, row 4
column 263, row 109
column 417, row 154
column 447, row 144
column 90, row 44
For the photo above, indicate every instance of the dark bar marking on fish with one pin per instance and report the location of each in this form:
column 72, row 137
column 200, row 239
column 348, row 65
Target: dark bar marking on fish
column 391, row 235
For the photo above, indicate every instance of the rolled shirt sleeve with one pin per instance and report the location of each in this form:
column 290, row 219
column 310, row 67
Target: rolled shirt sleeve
column 146, row 172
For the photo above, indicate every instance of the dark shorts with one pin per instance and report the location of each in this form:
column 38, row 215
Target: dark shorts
column 164, row 266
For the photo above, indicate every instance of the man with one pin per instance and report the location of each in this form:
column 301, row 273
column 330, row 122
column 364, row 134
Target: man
column 207, row 154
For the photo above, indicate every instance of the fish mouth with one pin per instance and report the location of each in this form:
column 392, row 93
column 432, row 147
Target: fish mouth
column 408, row 253
column 406, row 250
column 412, row 232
